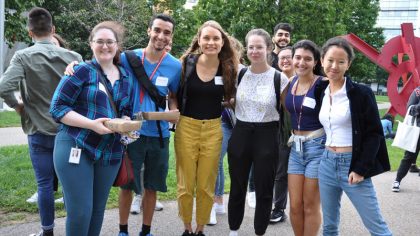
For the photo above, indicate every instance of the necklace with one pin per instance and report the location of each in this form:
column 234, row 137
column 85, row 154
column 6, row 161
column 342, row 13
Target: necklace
column 299, row 118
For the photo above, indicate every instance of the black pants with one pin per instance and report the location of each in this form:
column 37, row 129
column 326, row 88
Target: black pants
column 257, row 144
column 409, row 158
column 280, row 182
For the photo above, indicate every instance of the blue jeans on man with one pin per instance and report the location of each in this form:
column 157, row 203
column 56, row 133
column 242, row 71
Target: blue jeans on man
column 41, row 148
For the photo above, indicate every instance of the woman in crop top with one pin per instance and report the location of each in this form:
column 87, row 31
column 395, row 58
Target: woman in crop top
column 198, row 137
column 308, row 138
column 355, row 146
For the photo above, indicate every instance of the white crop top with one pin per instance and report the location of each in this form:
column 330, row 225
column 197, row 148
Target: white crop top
column 336, row 118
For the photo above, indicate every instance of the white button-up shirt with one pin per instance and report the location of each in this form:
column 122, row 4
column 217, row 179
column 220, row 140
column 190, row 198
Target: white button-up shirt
column 336, row 118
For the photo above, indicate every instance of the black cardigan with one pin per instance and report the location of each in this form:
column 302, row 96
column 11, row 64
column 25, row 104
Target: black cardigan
column 369, row 155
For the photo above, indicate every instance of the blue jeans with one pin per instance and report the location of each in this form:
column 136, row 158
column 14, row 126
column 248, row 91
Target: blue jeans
column 220, row 181
column 333, row 180
column 41, row 149
column 86, row 186
column 307, row 161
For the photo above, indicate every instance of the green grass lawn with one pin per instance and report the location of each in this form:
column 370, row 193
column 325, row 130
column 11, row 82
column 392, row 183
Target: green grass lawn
column 17, row 183
column 380, row 98
column 9, row 119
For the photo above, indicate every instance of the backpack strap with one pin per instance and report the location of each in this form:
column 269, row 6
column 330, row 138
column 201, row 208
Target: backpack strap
column 277, row 85
column 188, row 66
column 140, row 73
column 144, row 80
column 241, row 74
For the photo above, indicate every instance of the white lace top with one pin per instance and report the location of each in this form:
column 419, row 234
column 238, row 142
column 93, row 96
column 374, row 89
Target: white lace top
column 256, row 97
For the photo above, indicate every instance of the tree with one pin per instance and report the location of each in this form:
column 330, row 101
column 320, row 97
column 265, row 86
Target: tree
column 74, row 19
column 362, row 24
column 317, row 20
column 15, row 20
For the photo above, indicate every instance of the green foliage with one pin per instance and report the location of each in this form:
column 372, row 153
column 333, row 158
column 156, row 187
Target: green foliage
column 15, row 20
column 316, row 20
column 9, row 119
column 74, row 19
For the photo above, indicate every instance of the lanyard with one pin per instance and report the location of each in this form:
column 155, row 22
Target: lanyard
column 299, row 118
column 153, row 73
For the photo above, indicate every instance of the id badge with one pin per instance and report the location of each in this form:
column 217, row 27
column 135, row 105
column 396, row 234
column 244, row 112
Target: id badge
column 75, row 154
column 298, row 144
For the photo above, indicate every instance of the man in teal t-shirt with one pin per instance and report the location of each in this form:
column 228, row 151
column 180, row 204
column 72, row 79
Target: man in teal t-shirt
column 164, row 70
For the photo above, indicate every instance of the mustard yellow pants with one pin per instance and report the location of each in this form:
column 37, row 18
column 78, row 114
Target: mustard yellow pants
column 197, row 148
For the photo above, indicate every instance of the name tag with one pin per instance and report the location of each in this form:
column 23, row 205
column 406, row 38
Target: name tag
column 161, row 81
column 262, row 90
column 102, row 88
column 218, row 80
column 75, row 155
column 309, row 102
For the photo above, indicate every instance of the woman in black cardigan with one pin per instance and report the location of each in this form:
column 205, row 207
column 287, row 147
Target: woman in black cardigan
column 355, row 146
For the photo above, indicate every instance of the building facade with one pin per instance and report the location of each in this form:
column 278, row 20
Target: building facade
column 395, row 12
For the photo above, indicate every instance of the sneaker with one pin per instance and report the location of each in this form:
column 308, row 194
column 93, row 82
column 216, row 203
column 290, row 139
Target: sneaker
column 149, row 234
column 188, row 233
column 414, row 168
column 33, row 198
column 233, row 233
column 39, row 233
column 200, row 233
column 42, row 233
column 135, row 205
column 396, row 186
column 59, row 200
column 219, row 208
column 213, row 219
column 278, row 215
column 159, row 206
column 251, row 199
column 123, row 234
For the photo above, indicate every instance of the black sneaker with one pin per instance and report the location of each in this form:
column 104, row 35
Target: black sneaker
column 414, row 168
column 188, row 233
column 200, row 233
column 278, row 215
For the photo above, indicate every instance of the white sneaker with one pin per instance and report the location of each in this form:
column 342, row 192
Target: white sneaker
column 213, row 219
column 233, row 233
column 219, row 208
column 37, row 234
column 59, row 200
column 396, row 186
column 251, row 199
column 158, row 206
column 135, row 205
column 33, row 198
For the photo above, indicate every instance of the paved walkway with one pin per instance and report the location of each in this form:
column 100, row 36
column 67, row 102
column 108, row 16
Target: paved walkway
column 12, row 136
column 401, row 211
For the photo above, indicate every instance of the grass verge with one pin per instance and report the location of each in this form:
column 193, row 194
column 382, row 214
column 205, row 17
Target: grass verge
column 9, row 119
column 17, row 183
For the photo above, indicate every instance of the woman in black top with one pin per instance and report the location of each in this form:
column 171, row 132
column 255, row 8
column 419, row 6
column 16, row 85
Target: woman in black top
column 209, row 71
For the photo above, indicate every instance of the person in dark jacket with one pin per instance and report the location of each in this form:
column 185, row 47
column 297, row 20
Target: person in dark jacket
column 355, row 148
column 409, row 157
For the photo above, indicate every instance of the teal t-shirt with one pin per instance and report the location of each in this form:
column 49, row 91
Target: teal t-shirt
column 166, row 78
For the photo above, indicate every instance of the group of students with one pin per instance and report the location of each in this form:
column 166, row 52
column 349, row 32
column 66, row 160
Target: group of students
column 336, row 143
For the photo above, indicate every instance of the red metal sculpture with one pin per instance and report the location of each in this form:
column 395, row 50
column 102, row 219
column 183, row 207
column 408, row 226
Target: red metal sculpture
column 408, row 70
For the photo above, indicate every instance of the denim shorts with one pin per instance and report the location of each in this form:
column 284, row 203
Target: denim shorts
column 307, row 162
